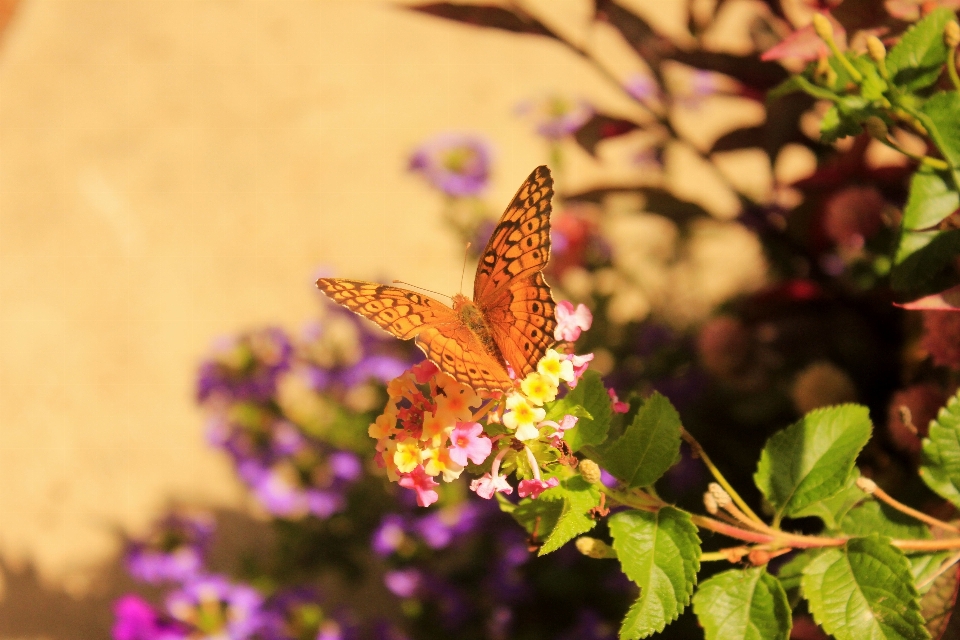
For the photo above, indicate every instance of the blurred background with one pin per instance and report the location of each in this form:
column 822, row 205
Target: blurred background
column 171, row 172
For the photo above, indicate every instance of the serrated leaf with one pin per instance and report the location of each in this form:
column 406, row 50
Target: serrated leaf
column 932, row 198
column 591, row 395
column 864, row 589
column 944, row 126
column 577, row 497
column 924, row 261
column 660, row 552
column 791, row 573
column 918, row 58
column 832, row 509
column 875, row 517
column 938, row 601
column 812, row 459
column 743, row 605
column 940, row 466
column 538, row 517
column 649, row 446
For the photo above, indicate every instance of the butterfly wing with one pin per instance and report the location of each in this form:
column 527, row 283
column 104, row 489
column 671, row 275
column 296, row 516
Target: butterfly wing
column 436, row 328
column 509, row 288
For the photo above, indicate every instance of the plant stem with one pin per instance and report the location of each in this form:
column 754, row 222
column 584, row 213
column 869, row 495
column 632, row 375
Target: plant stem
column 699, row 452
column 880, row 494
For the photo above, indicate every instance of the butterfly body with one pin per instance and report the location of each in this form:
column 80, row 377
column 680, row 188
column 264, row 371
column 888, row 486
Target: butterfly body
column 509, row 322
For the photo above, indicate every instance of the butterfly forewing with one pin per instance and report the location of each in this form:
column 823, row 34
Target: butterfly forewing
column 520, row 244
column 510, row 290
column 437, row 328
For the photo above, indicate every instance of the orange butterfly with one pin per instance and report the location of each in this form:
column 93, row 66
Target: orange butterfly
column 510, row 320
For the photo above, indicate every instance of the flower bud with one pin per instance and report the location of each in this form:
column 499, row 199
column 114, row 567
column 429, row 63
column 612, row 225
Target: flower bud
column 951, row 34
column 758, row 557
column 823, row 27
column 719, row 494
column 594, row 548
column 866, row 485
column 876, row 49
column 710, row 503
column 876, row 127
column 590, row 471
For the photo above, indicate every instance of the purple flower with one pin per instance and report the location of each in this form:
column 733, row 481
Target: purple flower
column 389, row 536
column 345, row 465
column 282, row 491
column 642, row 87
column 557, row 116
column 403, row 583
column 245, row 368
column 174, row 550
column 218, row 608
column 135, row 619
column 457, row 164
column 439, row 528
column 297, row 613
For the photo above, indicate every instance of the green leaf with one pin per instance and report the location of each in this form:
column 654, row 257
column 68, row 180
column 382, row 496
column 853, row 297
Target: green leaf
column 924, row 566
column 835, row 126
column 940, row 467
column 864, row 589
column 938, row 600
column 944, row 125
column 876, row 517
column 649, row 446
column 538, row 516
column 932, row 198
column 917, row 60
column 743, row 605
column 791, row 573
column 661, row 553
column 832, row 510
column 812, row 459
column 594, row 411
column 577, row 497
column 924, row 262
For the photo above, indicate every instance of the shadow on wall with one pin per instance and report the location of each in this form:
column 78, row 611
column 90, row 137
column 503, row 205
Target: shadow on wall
column 32, row 609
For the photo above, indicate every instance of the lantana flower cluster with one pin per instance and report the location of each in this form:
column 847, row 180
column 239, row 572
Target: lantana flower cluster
column 431, row 426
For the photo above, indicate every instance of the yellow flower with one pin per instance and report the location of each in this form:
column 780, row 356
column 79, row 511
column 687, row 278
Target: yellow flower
column 539, row 388
column 456, row 400
column 522, row 417
column 556, row 367
column 434, row 424
column 436, row 460
column 385, row 424
column 407, row 455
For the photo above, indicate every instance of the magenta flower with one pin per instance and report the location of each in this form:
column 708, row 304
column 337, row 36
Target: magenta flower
column 419, row 481
column 403, row 583
column 487, row 485
column 468, row 442
column 457, row 164
column 135, row 619
column 571, row 322
column 618, row 407
column 535, row 486
column 580, row 364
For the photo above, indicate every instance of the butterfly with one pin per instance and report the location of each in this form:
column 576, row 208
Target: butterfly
column 509, row 322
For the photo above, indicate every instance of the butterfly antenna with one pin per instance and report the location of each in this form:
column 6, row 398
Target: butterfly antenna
column 422, row 289
column 464, row 270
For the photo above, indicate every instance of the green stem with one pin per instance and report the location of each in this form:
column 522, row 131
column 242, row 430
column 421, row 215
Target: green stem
column 952, row 68
column 699, row 452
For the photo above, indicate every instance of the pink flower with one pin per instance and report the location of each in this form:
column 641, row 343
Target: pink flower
column 535, row 487
column 567, row 422
column 618, row 407
column 804, row 44
column 580, row 364
column 467, row 441
column 487, row 485
column 419, row 481
column 571, row 322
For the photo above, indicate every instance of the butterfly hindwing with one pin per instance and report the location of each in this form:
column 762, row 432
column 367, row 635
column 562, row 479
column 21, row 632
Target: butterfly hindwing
column 520, row 244
column 456, row 350
column 522, row 323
